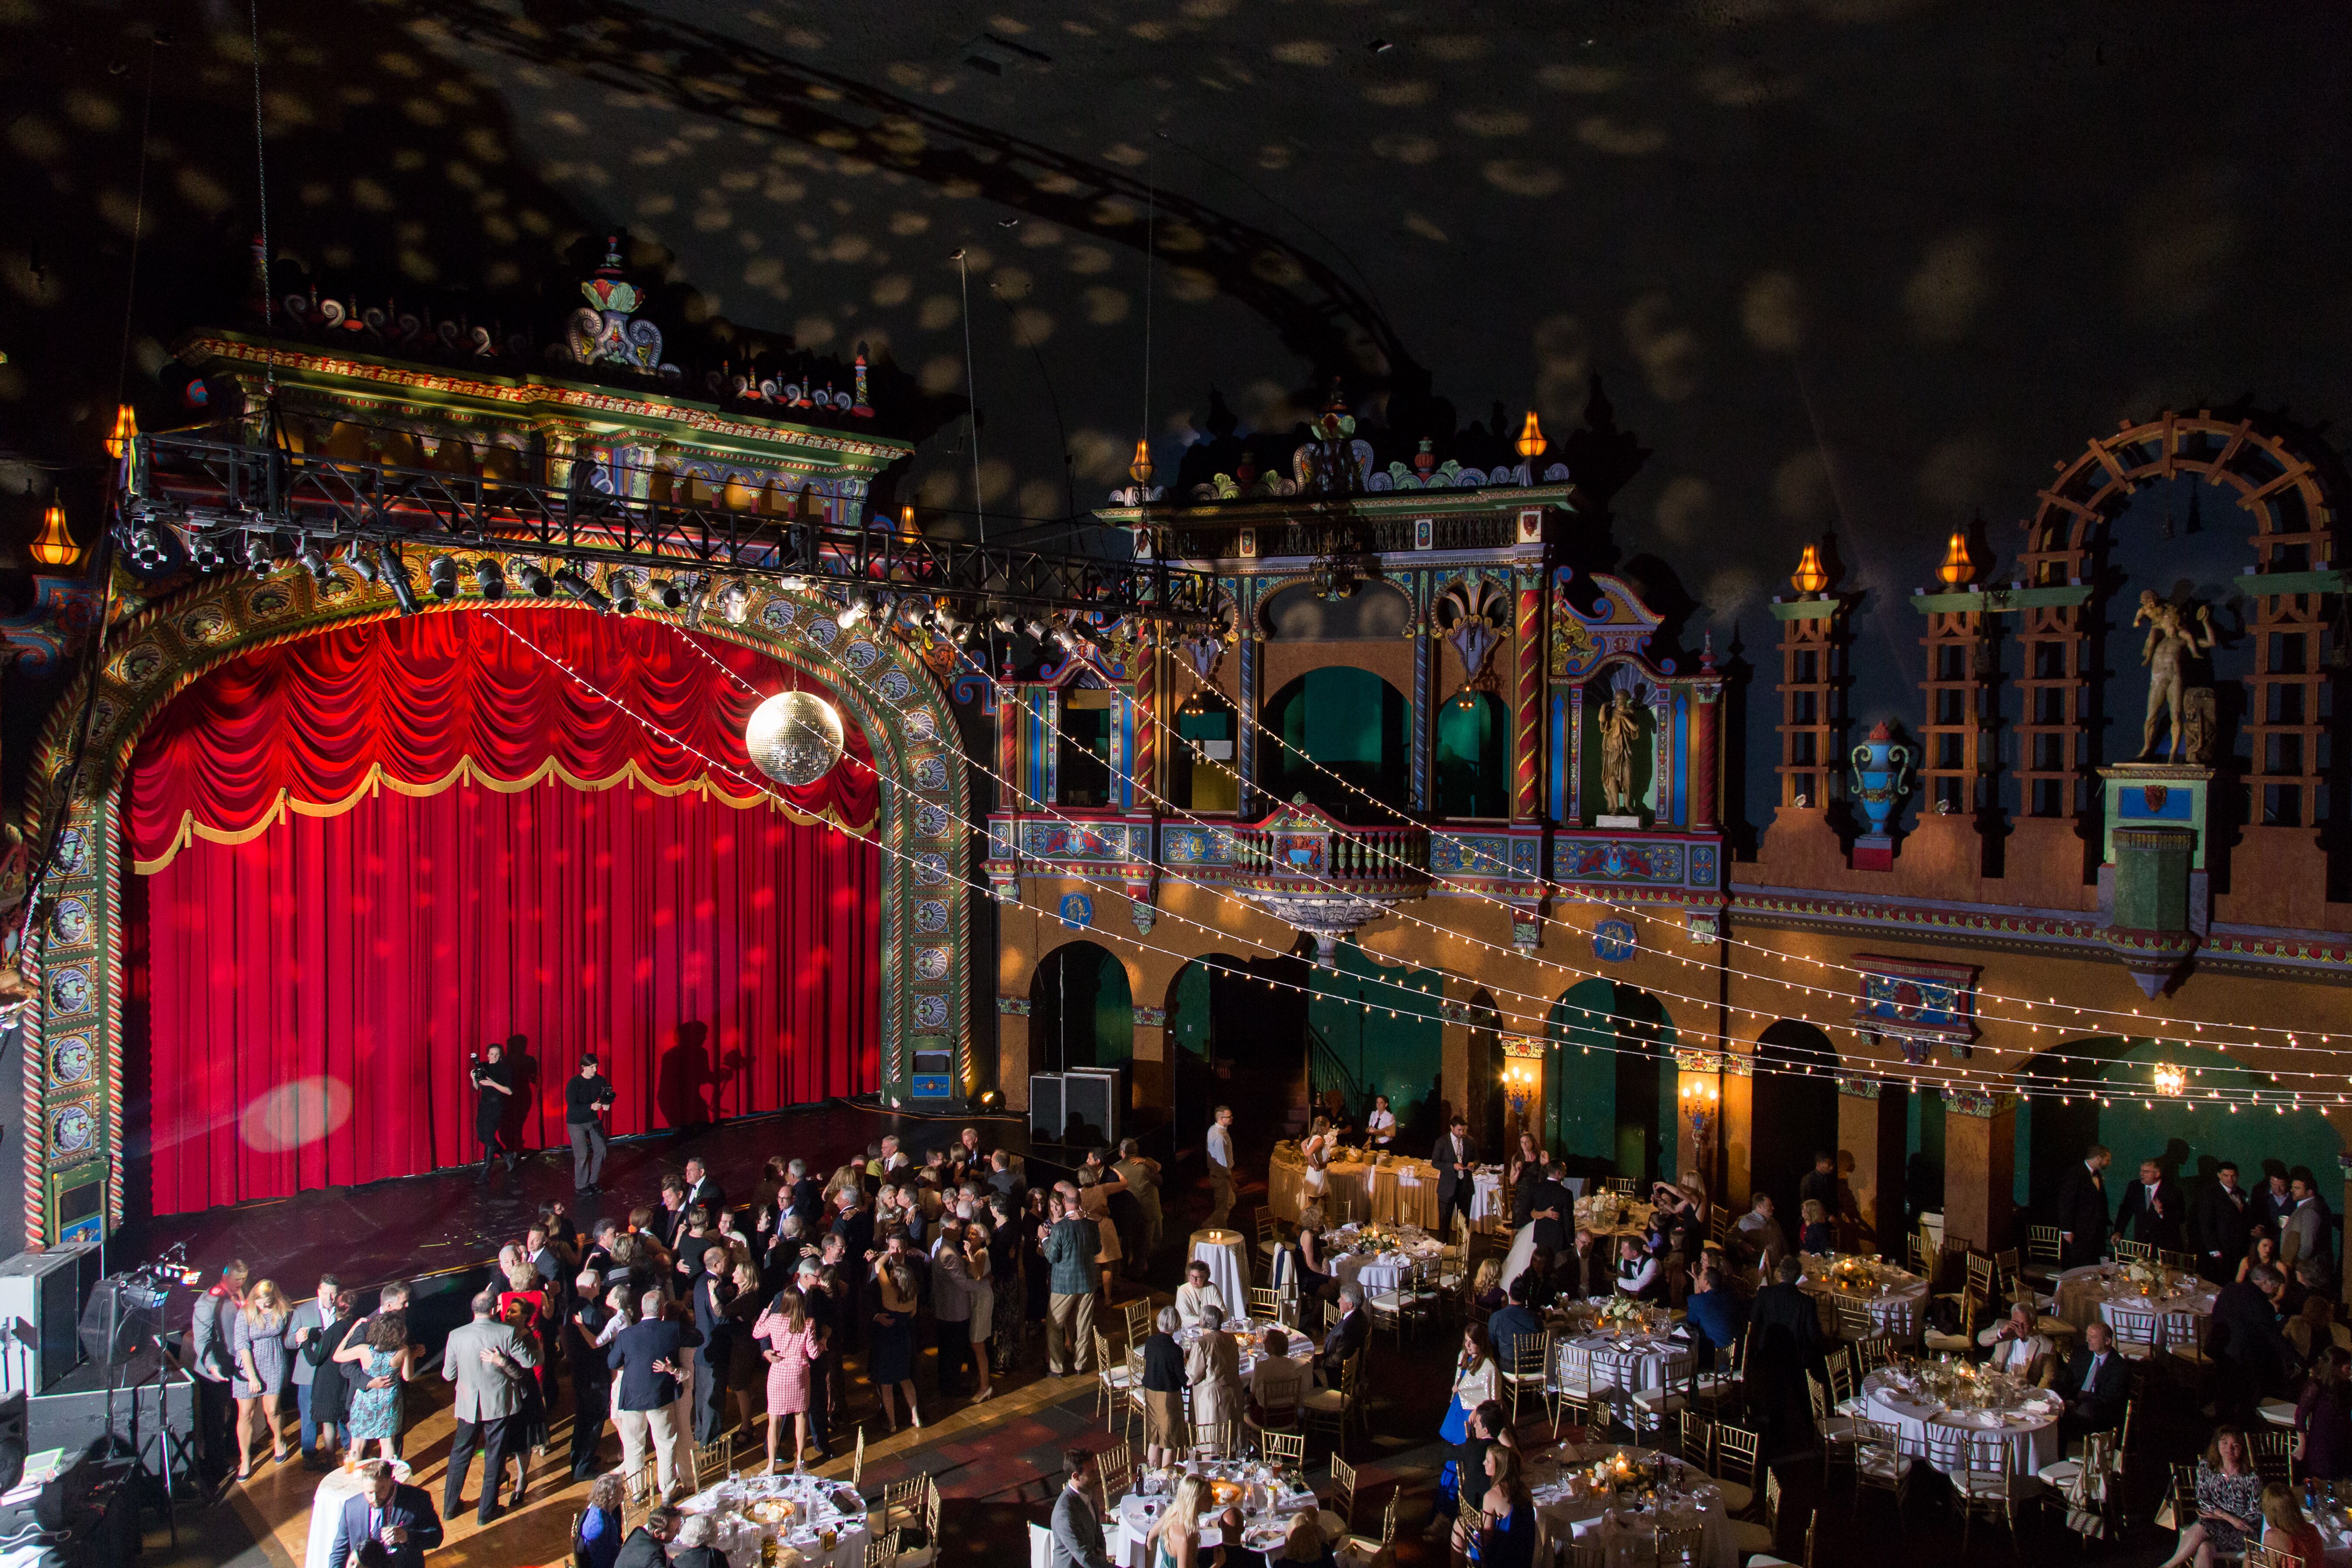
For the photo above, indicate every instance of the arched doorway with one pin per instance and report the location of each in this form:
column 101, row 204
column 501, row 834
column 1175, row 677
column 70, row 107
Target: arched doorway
column 2117, row 1107
column 1378, row 1028
column 1793, row 1113
column 1472, row 761
column 1332, row 728
column 1609, row 1096
column 1082, row 1013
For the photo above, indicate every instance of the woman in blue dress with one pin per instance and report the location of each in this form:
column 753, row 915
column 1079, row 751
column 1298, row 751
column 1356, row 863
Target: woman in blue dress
column 890, row 1347
column 1508, row 1539
column 386, row 1361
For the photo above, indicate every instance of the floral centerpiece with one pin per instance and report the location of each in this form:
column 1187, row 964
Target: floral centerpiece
column 1598, row 1212
column 1623, row 1314
column 1621, row 1471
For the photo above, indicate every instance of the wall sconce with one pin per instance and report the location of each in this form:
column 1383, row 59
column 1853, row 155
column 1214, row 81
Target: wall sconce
column 1703, row 1108
column 1522, row 1074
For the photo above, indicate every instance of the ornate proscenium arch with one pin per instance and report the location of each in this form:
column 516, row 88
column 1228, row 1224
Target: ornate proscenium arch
column 2282, row 479
column 73, row 1067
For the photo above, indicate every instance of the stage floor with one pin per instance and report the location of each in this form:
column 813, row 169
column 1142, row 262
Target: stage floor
column 451, row 1223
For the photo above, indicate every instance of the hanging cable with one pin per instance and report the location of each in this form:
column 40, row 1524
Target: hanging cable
column 971, row 395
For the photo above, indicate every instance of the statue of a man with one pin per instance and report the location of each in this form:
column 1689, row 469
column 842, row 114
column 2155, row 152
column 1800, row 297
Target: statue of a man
column 1620, row 732
column 2170, row 640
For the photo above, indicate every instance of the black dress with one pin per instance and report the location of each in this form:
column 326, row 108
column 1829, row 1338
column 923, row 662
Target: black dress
column 489, row 1105
column 330, row 1396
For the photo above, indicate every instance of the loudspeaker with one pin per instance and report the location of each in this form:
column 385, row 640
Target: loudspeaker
column 121, row 1322
column 41, row 1295
column 1091, row 1098
column 75, row 1420
column 1046, row 1107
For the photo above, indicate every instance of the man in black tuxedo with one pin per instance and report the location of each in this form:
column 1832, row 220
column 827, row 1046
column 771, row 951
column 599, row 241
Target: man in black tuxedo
column 400, row 1517
column 1553, row 1212
column 2082, row 1208
column 1453, row 1157
column 2152, row 1211
column 2098, row 1384
column 1784, row 1346
column 2218, row 1224
column 2249, row 1353
column 701, row 1189
column 1347, row 1336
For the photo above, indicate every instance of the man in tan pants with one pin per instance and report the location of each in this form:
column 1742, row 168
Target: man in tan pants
column 1071, row 1245
column 1221, row 1166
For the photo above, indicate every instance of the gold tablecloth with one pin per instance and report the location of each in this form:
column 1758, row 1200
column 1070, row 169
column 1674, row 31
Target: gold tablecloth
column 1355, row 1190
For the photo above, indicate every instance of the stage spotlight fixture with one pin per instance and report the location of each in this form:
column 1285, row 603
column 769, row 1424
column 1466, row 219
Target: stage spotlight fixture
column 257, row 559
column 315, row 563
column 442, row 574
column 793, row 585
column 669, row 593
column 850, row 614
column 395, row 577
column 581, row 589
column 488, row 581
column 1037, row 631
column 624, row 592
column 535, row 583
column 1005, row 623
column 361, row 564
column 206, row 554
column 735, row 601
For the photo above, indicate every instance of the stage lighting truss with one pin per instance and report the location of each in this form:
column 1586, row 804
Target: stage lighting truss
column 225, row 498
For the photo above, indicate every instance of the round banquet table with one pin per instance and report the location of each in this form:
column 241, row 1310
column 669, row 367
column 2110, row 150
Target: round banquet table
column 1897, row 1313
column 1132, row 1522
column 822, row 1505
column 1253, row 1343
column 1371, row 1271
column 1623, row 1367
column 1927, row 1429
column 1228, row 1263
column 336, row 1488
column 1487, row 1203
column 1623, row 1535
column 2083, row 1298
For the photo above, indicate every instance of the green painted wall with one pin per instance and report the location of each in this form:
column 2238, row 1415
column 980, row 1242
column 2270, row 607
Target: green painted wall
column 2188, row 1140
column 1401, row 1057
column 1092, row 986
column 1346, row 721
column 1188, row 1010
column 1609, row 1090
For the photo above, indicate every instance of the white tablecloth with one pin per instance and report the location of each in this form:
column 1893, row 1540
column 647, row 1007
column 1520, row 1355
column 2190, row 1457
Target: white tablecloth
column 1897, row 1313
column 1377, row 1271
column 1624, row 1536
column 336, row 1488
column 2081, row 1292
column 1637, row 1363
column 1486, row 1199
column 1300, row 1347
column 1224, row 1252
column 823, row 1505
column 1939, row 1438
column 1132, row 1525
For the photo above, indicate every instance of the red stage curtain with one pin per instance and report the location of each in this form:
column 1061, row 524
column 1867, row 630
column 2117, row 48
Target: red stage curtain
column 308, row 996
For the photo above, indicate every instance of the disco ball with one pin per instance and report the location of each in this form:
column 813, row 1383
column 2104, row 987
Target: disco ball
column 795, row 738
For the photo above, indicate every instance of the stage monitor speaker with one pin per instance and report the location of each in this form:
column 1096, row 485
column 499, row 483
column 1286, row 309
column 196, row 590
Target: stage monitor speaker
column 121, row 1323
column 1091, row 1098
column 1046, row 1107
column 41, row 1295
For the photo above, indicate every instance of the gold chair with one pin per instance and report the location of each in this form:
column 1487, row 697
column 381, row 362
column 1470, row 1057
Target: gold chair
column 2044, row 1254
column 1137, row 1314
column 1697, row 1440
column 1653, row 1410
column 1526, row 1374
column 2179, row 1262
column 1284, row 1447
column 902, row 1506
column 1964, row 1342
column 1336, row 1410
column 1678, row 1548
column 1836, row 1432
column 1880, row 1463
column 713, row 1460
column 1766, row 1560
column 1367, row 1546
column 926, row 1519
column 1986, row 1482
column 1265, row 1306
column 1570, row 1385
column 882, row 1551
column 1112, row 1381
column 640, row 1487
column 1624, row 1185
column 1736, row 1464
column 1751, row 1536
column 1216, row 1439
column 1343, row 1492
column 2264, row 1557
column 1115, row 1465
column 2133, row 1251
column 2274, row 1455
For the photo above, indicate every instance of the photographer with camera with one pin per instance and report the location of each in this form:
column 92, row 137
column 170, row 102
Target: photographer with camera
column 493, row 1083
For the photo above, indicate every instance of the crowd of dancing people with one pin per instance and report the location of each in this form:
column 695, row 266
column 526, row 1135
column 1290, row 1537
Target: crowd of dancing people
column 692, row 1318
